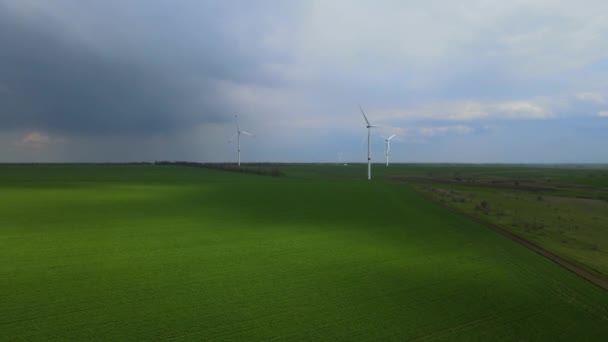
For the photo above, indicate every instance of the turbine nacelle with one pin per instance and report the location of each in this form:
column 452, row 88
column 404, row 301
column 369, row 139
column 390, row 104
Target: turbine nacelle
column 389, row 138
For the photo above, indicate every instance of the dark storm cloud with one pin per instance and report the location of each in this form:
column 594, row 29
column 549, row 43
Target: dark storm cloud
column 52, row 81
column 57, row 85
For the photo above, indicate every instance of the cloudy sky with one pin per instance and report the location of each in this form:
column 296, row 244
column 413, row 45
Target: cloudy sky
column 457, row 81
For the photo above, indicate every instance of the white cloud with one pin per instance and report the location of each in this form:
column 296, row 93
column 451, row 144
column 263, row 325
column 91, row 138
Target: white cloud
column 469, row 110
column 37, row 140
column 443, row 130
column 592, row 97
column 519, row 110
column 424, row 40
column 474, row 110
column 603, row 114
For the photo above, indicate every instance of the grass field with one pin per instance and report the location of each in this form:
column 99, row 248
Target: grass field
column 177, row 253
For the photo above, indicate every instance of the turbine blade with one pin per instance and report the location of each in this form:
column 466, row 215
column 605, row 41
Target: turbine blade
column 364, row 116
column 246, row 133
column 236, row 121
column 392, row 136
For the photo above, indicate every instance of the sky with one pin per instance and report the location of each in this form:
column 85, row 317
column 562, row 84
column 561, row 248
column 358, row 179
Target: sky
column 476, row 81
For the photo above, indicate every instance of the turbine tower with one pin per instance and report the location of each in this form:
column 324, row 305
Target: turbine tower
column 238, row 139
column 369, row 152
column 387, row 147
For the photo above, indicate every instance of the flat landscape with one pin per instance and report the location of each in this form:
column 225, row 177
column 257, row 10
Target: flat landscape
column 151, row 252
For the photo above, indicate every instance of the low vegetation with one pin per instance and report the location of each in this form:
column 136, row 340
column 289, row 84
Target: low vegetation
column 550, row 208
column 252, row 169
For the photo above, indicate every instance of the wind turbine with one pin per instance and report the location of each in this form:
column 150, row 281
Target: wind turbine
column 387, row 148
column 238, row 138
column 369, row 152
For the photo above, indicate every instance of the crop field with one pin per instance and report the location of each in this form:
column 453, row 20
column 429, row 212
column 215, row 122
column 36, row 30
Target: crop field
column 150, row 252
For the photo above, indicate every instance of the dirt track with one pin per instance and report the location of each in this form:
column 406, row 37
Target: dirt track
column 593, row 277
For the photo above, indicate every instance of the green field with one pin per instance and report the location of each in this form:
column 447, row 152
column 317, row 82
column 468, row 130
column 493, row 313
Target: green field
column 147, row 252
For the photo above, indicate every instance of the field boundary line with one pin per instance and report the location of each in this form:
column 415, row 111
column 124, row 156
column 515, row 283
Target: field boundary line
column 592, row 277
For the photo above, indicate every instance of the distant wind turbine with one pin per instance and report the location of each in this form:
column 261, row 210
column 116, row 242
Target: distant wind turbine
column 238, row 138
column 387, row 147
column 369, row 152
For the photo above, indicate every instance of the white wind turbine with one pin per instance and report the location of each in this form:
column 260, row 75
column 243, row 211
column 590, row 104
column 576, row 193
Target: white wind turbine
column 369, row 152
column 238, row 139
column 387, row 147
